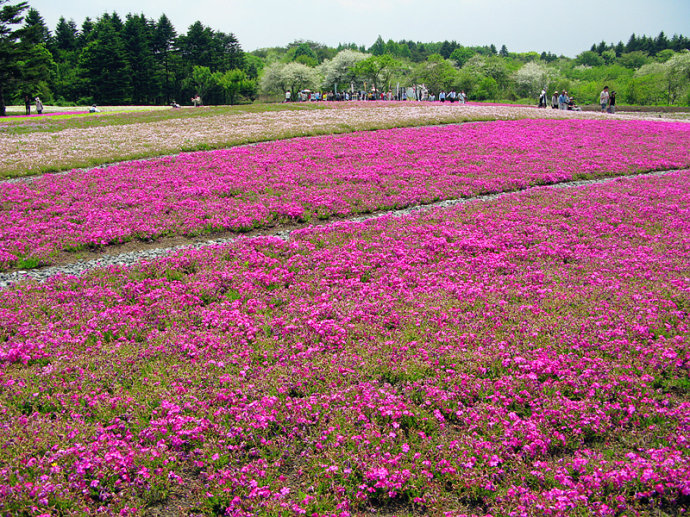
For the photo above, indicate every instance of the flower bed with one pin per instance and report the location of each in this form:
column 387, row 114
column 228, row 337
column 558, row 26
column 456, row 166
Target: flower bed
column 77, row 146
column 524, row 356
column 305, row 179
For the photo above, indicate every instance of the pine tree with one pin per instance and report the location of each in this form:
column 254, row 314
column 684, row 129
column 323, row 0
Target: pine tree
column 164, row 37
column 104, row 66
column 379, row 47
column 446, row 49
column 34, row 22
column 196, row 47
column 65, row 35
column 21, row 59
column 137, row 36
column 661, row 43
column 86, row 33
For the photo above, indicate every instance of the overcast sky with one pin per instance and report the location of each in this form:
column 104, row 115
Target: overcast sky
column 561, row 27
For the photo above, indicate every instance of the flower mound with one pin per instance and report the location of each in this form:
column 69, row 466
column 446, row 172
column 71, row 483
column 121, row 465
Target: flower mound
column 524, row 356
column 305, row 179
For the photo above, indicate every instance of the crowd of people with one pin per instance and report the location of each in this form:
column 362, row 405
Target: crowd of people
column 418, row 93
column 561, row 101
column 564, row 101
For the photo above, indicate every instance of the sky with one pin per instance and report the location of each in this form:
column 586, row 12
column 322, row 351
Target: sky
column 566, row 28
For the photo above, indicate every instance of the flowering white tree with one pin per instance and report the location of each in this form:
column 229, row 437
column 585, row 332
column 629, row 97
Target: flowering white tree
column 531, row 78
column 272, row 79
column 340, row 71
column 279, row 77
column 678, row 75
column 300, row 76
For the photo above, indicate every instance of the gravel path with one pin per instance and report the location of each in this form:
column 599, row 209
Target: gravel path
column 124, row 259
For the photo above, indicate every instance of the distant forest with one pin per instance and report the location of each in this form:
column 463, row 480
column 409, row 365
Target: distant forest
column 137, row 60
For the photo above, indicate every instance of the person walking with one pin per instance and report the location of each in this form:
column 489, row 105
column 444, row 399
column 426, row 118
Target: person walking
column 563, row 100
column 39, row 106
column 27, row 104
column 542, row 98
column 554, row 100
column 604, row 98
column 612, row 102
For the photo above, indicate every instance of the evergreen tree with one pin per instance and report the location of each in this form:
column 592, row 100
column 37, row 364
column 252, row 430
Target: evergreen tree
column 65, row 35
column 503, row 52
column 21, row 60
column 115, row 22
column 378, row 48
column 619, row 48
column 447, row 49
column 137, row 37
column 196, row 47
column 164, row 37
column 422, row 53
column 66, row 83
column 228, row 52
column 34, row 22
column 104, row 66
column 661, row 42
column 86, row 33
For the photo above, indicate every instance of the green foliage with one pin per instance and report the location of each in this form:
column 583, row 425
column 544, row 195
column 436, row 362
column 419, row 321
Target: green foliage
column 633, row 59
column 461, row 55
column 136, row 61
column 106, row 73
column 234, row 82
column 436, row 73
column 487, row 89
column 305, row 55
column 202, row 80
column 378, row 69
column 589, row 58
column 24, row 60
column 142, row 61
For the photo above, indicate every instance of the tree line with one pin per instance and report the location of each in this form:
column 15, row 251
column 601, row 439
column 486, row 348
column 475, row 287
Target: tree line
column 137, row 60
column 644, row 71
column 114, row 61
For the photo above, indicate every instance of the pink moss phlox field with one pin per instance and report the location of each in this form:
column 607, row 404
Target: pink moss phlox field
column 304, row 179
column 522, row 356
